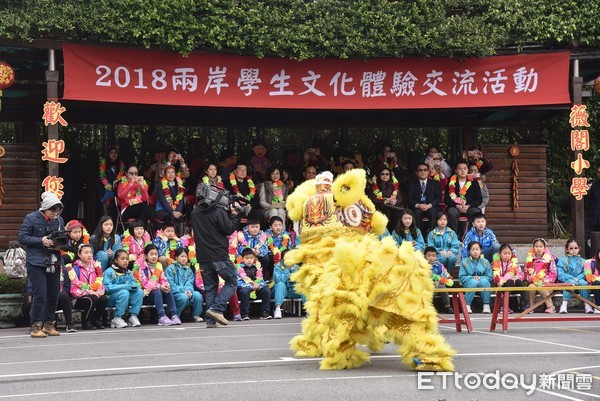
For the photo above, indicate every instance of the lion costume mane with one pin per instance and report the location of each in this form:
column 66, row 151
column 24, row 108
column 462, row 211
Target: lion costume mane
column 359, row 290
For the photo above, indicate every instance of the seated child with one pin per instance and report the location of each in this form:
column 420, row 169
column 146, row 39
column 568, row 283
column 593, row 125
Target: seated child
column 278, row 240
column 540, row 269
column 123, row 291
column 476, row 272
column 440, row 277
column 181, row 280
column 105, row 241
column 251, row 285
column 406, row 230
column 592, row 275
column 64, row 299
column 157, row 287
column 283, row 287
column 570, row 270
column 445, row 241
column 506, row 272
column 480, row 233
column 254, row 238
column 77, row 235
column 167, row 243
column 134, row 241
column 87, row 289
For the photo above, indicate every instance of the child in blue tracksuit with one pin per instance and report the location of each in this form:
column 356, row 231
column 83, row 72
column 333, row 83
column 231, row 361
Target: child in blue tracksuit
column 105, row 241
column 476, row 272
column 445, row 241
column 406, row 230
column 181, row 278
column 283, row 287
column 570, row 270
column 123, row 291
column 486, row 238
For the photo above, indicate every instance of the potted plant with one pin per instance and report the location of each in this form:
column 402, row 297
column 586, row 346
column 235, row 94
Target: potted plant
column 12, row 295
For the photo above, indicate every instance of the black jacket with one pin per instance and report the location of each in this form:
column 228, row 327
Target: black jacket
column 473, row 195
column 433, row 193
column 212, row 226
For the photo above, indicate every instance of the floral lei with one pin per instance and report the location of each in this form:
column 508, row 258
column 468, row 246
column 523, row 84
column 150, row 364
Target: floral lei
column 242, row 239
column 377, row 191
column 278, row 191
column 206, row 180
column 167, row 191
column 539, row 276
column 497, row 267
column 236, row 189
column 131, row 199
column 461, row 199
column 121, row 174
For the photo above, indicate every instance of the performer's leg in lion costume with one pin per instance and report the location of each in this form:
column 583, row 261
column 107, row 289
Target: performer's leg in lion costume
column 359, row 290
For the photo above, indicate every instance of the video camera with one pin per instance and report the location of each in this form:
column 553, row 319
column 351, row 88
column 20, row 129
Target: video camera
column 208, row 195
column 60, row 238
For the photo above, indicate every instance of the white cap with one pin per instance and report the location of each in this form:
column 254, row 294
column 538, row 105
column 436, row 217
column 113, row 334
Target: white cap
column 324, row 178
column 49, row 199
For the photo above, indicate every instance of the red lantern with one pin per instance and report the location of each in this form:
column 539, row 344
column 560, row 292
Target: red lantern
column 7, row 77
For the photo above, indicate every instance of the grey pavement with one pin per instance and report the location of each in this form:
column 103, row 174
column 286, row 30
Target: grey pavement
column 252, row 360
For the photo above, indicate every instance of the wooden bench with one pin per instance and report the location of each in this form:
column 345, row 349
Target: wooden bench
column 503, row 294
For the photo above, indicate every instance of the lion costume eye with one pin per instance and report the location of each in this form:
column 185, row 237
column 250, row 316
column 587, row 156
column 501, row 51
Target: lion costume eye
column 352, row 215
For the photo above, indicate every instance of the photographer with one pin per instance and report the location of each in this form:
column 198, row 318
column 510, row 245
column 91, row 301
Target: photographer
column 212, row 224
column 38, row 235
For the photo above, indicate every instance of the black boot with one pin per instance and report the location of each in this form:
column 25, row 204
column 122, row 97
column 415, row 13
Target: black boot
column 88, row 325
column 99, row 324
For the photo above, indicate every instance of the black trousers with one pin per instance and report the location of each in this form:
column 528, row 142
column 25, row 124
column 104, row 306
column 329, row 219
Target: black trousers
column 93, row 307
column 64, row 304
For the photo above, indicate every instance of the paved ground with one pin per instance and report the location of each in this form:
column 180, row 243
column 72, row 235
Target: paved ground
column 252, row 360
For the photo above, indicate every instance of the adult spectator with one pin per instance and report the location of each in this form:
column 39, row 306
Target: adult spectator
column 475, row 156
column 424, row 197
column 169, row 197
column 485, row 194
column 240, row 183
column 273, row 194
column 44, row 263
column 463, row 196
column 310, row 172
column 132, row 192
column 385, row 194
column 348, row 165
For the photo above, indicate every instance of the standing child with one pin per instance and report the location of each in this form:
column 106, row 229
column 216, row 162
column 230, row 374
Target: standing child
column 167, row 243
column 181, row 280
column 445, row 241
column 476, row 272
column 105, row 241
column 507, row 272
column 540, row 269
column 254, row 238
column 592, row 275
column 480, row 233
column 157, row 287
column 406, row 230
column 123, row 291
column 251, row 285
column 134, row 241
column 440, row 277
column 87, row 289
column 283, row 287
column 570, row 270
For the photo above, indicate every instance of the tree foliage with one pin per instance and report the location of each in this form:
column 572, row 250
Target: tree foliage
column 305, row 29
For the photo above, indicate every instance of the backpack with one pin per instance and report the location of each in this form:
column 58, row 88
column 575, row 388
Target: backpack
column 14, row 261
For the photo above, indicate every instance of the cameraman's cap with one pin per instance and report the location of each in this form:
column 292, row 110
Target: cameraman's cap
column 324, row 178
column 49, row 200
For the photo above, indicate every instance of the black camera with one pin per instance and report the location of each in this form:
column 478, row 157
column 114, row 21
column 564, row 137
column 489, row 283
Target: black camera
column 208, row 195
column 60, row 238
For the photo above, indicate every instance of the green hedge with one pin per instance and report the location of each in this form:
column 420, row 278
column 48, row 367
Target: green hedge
column 305, row 29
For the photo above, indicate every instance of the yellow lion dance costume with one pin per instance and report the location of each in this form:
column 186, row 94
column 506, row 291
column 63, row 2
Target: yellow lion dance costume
column 359, row 290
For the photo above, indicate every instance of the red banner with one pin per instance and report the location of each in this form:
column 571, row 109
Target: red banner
column 123, row 75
